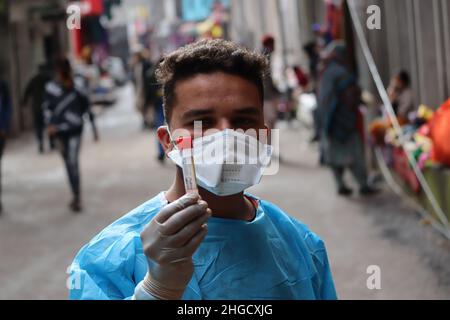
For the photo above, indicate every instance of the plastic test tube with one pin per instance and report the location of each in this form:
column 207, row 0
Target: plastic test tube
column 184, row 144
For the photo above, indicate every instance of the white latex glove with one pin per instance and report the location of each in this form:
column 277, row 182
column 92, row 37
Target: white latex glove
column 169, row 241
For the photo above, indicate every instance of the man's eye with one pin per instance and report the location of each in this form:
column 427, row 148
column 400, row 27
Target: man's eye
column 204, row 121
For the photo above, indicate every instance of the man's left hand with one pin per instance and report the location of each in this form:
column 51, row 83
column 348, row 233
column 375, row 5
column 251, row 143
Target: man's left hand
column 52, row 130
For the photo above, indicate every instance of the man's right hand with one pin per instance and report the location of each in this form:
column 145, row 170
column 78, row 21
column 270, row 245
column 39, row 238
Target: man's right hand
column 169, row 241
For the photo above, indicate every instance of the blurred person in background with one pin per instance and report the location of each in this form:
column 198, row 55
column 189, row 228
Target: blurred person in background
column 302, row 77
column 155, row 97
column 297, row 83
column 5, row 119
column 341, row 120
column 35, row 91
column 159, row 121
column 133, row 63
column 65, row 105
column 87, row 69
column 312, row 50
column 401, row 96
column 322, row 36
column 145, row 88
column 271, row 92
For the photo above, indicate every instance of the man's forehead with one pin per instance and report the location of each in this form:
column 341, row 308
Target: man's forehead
column 215, row 93
column 217, row 81
column 194, row 111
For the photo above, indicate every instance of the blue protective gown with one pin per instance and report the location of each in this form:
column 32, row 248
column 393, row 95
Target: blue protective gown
column 273, row 257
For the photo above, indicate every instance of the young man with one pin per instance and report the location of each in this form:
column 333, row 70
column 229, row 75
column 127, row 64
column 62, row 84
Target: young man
column 222, row 243
column 65, row 105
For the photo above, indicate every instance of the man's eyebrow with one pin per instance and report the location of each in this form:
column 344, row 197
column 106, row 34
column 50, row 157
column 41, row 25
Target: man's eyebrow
column 249, row 111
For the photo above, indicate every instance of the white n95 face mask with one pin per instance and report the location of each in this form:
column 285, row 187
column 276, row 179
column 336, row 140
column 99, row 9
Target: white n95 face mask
column 227, row 162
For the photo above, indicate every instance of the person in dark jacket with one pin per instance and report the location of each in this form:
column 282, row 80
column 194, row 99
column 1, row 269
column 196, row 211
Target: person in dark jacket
column 340, row 122
column 65, row 106
column 5, row 118
column 35, row 91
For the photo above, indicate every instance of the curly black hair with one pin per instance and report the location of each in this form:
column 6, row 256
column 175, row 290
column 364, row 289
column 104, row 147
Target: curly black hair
column 206, row 57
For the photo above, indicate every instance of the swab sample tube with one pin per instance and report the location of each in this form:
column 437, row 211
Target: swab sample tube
column 184, row 144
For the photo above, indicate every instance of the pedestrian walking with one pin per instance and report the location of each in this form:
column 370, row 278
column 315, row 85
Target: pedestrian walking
column 66, row 104
column 341, row 137
column 35, row 91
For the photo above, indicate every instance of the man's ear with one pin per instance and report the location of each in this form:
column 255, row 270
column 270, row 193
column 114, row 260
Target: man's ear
column 164, row 138
column 268, row 134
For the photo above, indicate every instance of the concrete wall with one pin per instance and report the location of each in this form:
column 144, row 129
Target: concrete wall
column 252, row 19
column 415, row 36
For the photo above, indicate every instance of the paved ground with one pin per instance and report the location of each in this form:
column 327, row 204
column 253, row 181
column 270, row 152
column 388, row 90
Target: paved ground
column 39, row 236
